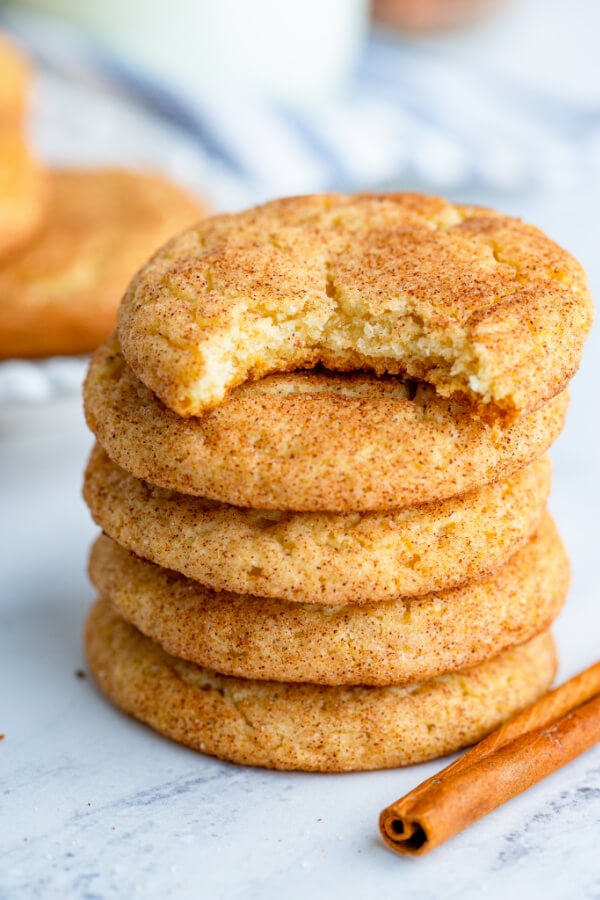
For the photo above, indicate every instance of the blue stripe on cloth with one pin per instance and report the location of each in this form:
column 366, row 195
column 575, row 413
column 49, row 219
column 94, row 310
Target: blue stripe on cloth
column 156, row 97
column 338, row 177
column 411, row 113
column 73, row 53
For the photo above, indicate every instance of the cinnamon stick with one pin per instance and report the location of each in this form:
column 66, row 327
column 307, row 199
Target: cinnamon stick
column 545, row 736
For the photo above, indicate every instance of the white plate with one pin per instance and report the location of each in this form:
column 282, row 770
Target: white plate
column 40, row 396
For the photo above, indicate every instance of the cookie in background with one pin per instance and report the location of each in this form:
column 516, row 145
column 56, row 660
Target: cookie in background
column 59, row 294
column 23, row 194
column 15, row 80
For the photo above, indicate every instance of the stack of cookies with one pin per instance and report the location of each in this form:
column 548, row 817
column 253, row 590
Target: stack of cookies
column 321, row 475
column 69, row 240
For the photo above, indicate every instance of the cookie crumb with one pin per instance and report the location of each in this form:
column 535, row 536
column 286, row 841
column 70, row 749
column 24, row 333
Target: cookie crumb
column 79, row 673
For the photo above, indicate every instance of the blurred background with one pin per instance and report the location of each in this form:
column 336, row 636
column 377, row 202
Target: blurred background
column 243, row 101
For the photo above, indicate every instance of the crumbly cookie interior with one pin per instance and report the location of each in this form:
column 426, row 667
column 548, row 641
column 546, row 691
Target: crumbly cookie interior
column 463, row 298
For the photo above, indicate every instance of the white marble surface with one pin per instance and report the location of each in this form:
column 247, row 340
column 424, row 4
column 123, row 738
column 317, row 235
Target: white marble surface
column 95, row 805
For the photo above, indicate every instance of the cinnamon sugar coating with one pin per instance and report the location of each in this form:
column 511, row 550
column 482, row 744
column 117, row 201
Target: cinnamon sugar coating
column 312, row 440
column 398, row 641
column 472, row 301
column 327, row 558
column 305, row 726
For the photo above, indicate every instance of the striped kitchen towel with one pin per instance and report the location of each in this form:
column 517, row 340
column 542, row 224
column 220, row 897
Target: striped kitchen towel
column 411, row 117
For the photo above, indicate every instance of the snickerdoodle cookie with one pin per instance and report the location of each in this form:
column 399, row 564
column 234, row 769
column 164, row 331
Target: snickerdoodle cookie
column 23, row 199
column 393, row 642
column 472, row 301
column 312, row 441
column 59, row 294
column 328, row 558
column 305, row 726
column 15, row 78
column 23, row 185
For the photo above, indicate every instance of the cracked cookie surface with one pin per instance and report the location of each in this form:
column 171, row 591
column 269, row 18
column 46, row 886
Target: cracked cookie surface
column 305, row 726
column 327, row 558
column 311, row 440
column 472, row 301
column 394, row 642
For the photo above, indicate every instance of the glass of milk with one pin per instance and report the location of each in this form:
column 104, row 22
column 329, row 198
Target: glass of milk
column 300, row 51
